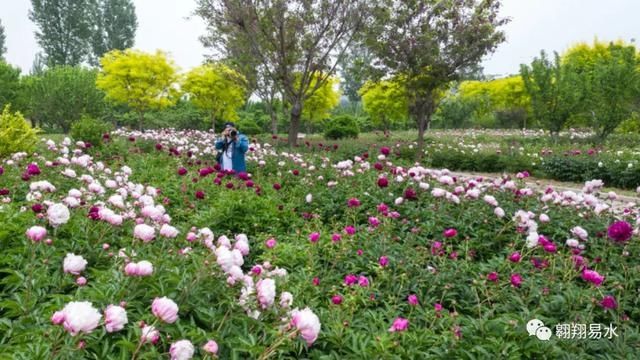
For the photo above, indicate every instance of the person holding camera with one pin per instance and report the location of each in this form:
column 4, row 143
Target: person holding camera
column 232, row 148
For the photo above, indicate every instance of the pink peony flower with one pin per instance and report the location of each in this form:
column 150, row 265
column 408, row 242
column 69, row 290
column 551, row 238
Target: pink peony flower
column 373, row 221
column 58, row 214
column 168, row 231
column 592, row 276
column 36, row 233
column 516, row 280
column 316, row 281
column 266, row 292
column 336, row 238
column 399, row 324
column 438, row 307
column 165, row 309
column 115, row 318
column 412, row 299
column 620, row 231
column 81, row 281
column 363, row 281
column 80, row 317
column 353, row 202
column 74, row 264
column 270, row 243
column 609, row 302
column 149, row 334
column 350, row 280
column 349, row 229
column 286, row 299
column 57, row 318
column 211, row 347
column 181, row 350
column 493, row 276
column 307, row 323
column 383, row 208
column 144, row 232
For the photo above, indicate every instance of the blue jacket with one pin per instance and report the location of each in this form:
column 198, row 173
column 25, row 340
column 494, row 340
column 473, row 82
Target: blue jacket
column 240, row 148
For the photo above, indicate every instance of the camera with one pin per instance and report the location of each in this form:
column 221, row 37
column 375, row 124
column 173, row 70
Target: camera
column 233, row 133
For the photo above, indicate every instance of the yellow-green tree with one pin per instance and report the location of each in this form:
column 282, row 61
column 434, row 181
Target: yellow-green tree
column 496, row 95
column 319, row 103
column 216, row 89
column 385, row 101
column 139, row 80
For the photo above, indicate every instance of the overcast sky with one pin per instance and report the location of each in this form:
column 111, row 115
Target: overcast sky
column 535, row 25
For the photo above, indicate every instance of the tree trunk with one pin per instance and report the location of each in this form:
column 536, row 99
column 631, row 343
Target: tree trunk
column 274, row 122
column 424, row 109
column 140, row 120
column 294, row 126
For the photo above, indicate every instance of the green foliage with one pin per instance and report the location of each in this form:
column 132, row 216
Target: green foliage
column 611, row 75
column 355, row 69
column 455, row 112
column 555, row 91
column 89, row 130
column 3, row 38
column 249, row 127
column 16, row 135
column 322, row 100
column 9, row 84
column 340, row 127
column 61, row 96
column 64, row 29
column 217, row 90
column 139, row 80
column 386, row 102
column 115, row 27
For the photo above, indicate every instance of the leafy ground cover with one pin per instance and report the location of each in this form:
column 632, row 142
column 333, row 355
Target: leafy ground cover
column 143, row 249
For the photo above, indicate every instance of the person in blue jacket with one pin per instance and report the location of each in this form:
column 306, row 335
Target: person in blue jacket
column 232, row 148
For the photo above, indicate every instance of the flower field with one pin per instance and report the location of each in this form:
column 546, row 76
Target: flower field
column 144, row 249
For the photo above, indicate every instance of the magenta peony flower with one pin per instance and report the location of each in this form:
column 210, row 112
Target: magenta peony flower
column 182, row 171
column 399, row 324
column 438, row 307
column 350, row 280
column 383, row 261
column 199, row 194
column 316, row 281
column 33, row 169
column 410, row 194
column 383, row 182
column 493, row 276
column 373, row 221
column 277, row 186
column 336, row 299
column 165, row 309
column 36, row 233
column 516, row 280
column 314, row 237
column 363, row 281
column 449, row 233
column 383, row 208
column 211, row 347
column 412, row 299
column 349, row 229
column 353, row 202
column 115, row 318
column 620, row 231
column 608, row 302
column 336, row 238
column 592, row 276
column 181, row 350
column 385, row 151
column 515, row 257
column 307, row 323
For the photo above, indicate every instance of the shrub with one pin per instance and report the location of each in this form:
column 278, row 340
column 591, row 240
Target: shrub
column 249, row 127
column 16, row 134
column 89, row 130
column 340, row 127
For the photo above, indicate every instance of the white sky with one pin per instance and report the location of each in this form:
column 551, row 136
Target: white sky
column 536, row 24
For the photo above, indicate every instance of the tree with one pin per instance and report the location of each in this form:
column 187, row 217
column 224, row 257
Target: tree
column 62, row 95
column 3, row 39
column 115, row 27
column 9, row 84
column 355, row 71
column 64, row 29
column 505, row 96
column 319, row 105
column 139, row 80
column 386, row 102
column 288, row 37
column 216, row 89
column 555, row 91
column 430, row 42
column 610, row 76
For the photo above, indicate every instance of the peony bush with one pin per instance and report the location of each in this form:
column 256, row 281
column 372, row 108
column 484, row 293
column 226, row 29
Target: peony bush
column 148, row 250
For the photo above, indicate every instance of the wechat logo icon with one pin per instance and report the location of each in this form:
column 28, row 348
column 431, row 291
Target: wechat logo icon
column 537, row 328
